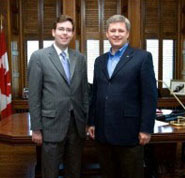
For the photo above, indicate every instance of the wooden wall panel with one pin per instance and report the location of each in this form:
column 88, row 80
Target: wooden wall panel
column 160, row 18
column 169, row 17
column 30, row 17
column 110, row 8
column 17, row 161
column 124, row 7
column 3, row 11
column 134, row 15
column 49, row 17
column 69, row 8
column 151, row 16
column 182, row 36
column 92, row 16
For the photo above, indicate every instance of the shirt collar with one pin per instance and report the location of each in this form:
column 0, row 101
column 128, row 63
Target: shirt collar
column 120, row 51
column 59, row 50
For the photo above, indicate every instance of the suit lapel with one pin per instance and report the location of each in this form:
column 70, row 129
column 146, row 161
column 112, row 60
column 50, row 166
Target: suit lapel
column 56, row 61
column 104, row 65
column 125, row 58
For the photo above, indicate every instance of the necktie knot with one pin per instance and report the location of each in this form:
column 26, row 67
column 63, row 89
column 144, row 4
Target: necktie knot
column 63, row 54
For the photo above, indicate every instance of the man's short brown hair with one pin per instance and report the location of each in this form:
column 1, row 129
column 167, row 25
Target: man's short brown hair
column 63, row 18
column 118, row 18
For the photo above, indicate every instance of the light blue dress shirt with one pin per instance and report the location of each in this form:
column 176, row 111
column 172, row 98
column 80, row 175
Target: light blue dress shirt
column 114, row 59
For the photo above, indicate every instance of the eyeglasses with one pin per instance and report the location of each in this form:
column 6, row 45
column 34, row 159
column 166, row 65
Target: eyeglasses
column 68, row 30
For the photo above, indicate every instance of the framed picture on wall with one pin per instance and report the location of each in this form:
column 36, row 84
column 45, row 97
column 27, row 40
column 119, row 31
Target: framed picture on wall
column 177, row 87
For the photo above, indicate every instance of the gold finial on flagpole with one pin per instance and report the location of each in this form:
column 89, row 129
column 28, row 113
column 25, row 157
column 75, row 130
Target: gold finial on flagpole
column 1, row 19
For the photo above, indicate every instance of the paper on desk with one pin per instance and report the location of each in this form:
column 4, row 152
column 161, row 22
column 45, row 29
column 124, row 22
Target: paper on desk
column 160, row 123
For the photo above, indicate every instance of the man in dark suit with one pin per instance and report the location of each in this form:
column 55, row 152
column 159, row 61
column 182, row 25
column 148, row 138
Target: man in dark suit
column 123, row 104
column 58, row 102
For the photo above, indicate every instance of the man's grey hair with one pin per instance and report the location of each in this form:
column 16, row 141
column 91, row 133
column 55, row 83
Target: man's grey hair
column 118, row 18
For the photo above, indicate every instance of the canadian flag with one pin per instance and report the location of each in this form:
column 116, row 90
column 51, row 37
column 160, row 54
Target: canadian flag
column 5, row 83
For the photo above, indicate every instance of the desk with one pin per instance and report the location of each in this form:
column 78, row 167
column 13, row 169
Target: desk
column 16, row 130
column 165, row 133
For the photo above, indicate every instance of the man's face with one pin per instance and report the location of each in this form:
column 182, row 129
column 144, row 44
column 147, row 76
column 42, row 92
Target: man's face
column 63, row 34
column 117, row 34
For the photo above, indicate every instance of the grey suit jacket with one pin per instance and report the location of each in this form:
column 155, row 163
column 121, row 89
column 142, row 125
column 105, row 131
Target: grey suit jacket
column 51, row 98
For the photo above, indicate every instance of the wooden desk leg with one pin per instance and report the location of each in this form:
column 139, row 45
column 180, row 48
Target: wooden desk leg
column 38, row 165
column 179, row 169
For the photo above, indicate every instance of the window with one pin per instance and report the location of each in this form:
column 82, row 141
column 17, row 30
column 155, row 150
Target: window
column 160, row 36
column 152, row 45
column 94, row 43
column 106, row 46
column 32, row 45
column 92, row 53
column 167, row 61
column 47, row 43
column 35, row 23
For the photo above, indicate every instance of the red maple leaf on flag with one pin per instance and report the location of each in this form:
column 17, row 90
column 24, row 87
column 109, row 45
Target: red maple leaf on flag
column 5, row 82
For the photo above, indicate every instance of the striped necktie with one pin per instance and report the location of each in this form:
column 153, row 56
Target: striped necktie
column 66, row 65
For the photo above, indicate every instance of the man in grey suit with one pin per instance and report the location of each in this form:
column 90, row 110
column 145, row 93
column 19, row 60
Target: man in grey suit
column 58, row 102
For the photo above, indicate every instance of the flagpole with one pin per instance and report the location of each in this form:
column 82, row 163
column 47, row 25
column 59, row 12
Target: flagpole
column 1, row 19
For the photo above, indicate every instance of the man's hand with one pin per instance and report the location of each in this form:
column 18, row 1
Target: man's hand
column 91, row 131
column 37, row 137
column 144, row 138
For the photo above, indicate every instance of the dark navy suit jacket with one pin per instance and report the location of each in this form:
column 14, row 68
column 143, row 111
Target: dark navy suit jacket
column 125, row 104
